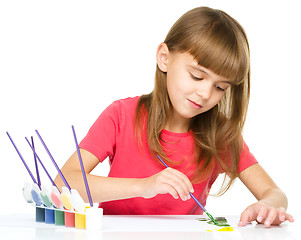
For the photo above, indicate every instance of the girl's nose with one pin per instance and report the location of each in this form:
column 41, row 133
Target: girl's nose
column 204, row 91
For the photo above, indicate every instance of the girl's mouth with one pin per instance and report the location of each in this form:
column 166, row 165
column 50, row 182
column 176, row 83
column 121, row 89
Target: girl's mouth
column 194, row 104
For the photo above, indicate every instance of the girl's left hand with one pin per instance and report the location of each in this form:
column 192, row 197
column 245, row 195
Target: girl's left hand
column 262, row 213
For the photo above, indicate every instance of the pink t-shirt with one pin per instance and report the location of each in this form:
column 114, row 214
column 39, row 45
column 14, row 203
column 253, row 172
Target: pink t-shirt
column 112, row 135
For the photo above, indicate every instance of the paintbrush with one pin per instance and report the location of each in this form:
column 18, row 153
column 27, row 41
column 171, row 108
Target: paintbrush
column 36, row 165
column 37, row 157
column 36, row 189
column 53, row 161
column 82, row 168
column 70, row 199
column 17, row 150
column 194, row 198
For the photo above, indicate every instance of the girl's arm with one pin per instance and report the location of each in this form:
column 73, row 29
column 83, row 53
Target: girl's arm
column 108, row 188
column 272, row 202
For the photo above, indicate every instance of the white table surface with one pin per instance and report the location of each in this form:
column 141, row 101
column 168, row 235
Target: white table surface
column 23, row 227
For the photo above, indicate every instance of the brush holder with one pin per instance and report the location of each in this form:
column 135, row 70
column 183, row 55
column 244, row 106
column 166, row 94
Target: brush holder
column 94, row 217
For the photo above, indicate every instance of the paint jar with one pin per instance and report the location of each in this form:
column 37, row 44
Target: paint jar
column 49, row 216
column 27, row 192
column 80, row 220
column 94, row 217
column 35, row 193
column 69, row 219
column 40, row 214
column 45, row 195
column 59, row 217
column 56, row 198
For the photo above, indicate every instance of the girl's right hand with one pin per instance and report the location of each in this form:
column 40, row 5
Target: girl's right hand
column 169, row 181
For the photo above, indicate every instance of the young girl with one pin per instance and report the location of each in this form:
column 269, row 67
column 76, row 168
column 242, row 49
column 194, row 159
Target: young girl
column 193, row 119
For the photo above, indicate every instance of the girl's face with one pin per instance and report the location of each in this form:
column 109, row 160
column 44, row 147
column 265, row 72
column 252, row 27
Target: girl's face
column 192, row 89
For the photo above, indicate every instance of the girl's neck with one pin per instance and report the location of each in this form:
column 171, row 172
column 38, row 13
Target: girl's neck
column 177, row 125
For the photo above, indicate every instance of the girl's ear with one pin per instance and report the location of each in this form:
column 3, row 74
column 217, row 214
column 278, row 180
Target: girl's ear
column 162, row 56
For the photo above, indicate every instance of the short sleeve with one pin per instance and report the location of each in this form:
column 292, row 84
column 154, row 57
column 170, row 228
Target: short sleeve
column 247, row 159
column 101, row 137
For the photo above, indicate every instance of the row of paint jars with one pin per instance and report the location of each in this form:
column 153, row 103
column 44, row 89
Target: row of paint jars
column 91, row 219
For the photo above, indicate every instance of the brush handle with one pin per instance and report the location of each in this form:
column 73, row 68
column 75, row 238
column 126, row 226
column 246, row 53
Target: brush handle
column 197, row 201
column 162, row 161
column 82, row 168
column 194, row 198
column 36, row 164
column 28, row 170
column 53, row 161
column 36, row 155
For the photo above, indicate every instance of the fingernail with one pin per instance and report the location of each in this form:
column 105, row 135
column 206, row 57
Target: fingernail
column 192, row 190
column 259, row 219
column 267, row 223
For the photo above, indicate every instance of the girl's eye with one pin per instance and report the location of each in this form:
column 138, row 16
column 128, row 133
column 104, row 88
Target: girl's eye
column 219, row 88
column 196, row 78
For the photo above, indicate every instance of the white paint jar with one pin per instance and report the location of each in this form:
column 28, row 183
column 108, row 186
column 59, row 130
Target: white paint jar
column 94, row 217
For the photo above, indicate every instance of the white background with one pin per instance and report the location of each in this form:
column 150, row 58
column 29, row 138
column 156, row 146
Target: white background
column 63, row 62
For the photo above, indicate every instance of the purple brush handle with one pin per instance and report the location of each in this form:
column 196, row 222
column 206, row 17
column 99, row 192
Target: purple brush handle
column 53, row 161
column 28, row 170
column 197, row 201
column 82, row 168
column 32, row 148
column 36, row 164
column 194, row 198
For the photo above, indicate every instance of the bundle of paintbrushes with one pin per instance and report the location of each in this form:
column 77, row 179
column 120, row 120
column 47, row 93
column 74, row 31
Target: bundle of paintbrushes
column 66, row 207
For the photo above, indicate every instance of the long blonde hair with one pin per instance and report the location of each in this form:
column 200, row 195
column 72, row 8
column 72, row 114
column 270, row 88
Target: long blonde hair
column 219, row 43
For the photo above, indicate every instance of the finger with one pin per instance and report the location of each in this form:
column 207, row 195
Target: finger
column 184, row 178
column 245, row 217
column 282, row 214
column 273, row 213
column 262, row 213
column 183, row 181
column 289, row 218
column 173, row 183
column 172, row 191
column 177, row 183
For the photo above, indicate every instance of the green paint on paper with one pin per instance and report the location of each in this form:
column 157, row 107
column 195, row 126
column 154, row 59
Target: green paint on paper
column 212, row 218
column 219, row 221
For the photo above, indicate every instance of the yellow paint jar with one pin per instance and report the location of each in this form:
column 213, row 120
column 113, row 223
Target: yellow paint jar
column 66, row 201
column 80, row 220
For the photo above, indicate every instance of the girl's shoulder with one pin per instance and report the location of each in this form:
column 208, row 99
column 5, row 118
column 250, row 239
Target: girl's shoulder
column 122, row 109
column 127, row 103
column 119, row 109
